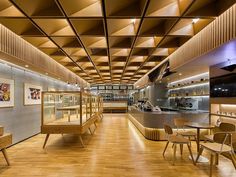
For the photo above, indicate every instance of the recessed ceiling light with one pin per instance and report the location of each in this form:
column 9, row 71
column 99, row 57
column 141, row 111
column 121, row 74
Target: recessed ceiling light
column 180, row 74
column 195, row 20
column 26, row 66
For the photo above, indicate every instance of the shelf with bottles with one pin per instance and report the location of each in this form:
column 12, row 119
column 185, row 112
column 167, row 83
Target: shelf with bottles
column 188, row 84
column 189, row 96
column 223, row 111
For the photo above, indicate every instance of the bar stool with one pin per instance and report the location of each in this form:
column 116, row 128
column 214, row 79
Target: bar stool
column 176, row 139
column 180, row 124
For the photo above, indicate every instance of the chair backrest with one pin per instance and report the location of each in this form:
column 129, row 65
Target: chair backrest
column 179, row 122
column 227, row 127
column 168, row 129
column 223, row 138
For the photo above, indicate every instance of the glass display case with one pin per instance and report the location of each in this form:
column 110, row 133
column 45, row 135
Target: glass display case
column 69, row 112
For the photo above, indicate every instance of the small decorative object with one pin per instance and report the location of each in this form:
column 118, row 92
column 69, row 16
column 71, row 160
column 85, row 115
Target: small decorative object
column 218, row 122
column 32, row 94
column 6, row 93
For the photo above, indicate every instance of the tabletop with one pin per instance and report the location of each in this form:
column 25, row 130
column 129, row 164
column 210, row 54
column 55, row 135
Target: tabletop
column 199, row 125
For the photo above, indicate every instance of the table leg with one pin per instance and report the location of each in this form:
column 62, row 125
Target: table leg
column 69, row 116
column 198, row 139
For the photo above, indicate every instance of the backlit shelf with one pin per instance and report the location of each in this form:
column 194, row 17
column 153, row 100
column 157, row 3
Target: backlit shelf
column 222, row 115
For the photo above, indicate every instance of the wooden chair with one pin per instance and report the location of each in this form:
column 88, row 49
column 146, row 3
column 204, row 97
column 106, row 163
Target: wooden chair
column 180, row 125
column 223, row 127
column 5, row 141
column 219, row 146
column 176, row 139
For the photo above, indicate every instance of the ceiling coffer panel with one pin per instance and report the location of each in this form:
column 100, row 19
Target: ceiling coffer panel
column 115, row 42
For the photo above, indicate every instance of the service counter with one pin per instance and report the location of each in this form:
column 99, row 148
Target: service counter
column 115, row 106
column 151, row 124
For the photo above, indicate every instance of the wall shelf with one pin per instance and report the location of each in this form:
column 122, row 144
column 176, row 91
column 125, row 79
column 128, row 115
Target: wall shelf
column 189, row 85
column 205, row 95
column 222, row 115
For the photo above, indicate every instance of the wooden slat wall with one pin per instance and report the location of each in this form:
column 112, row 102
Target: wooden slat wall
column 221, row 30
column 15, row 47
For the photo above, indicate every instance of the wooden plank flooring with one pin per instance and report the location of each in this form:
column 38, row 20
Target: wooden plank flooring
column 117, row 149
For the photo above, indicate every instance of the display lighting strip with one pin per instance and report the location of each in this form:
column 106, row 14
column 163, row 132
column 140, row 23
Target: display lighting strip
column 189, row 86
column 8, row 64
column 192, row 96
column 190, row 78
column 228, row 105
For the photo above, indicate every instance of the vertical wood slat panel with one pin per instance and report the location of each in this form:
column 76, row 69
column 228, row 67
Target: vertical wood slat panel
column 221, row 30
column 14, row 45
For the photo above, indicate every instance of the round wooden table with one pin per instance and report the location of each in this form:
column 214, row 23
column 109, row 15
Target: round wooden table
column 199, row 126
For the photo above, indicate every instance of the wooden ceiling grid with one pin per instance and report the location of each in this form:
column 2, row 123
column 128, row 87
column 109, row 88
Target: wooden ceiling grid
column 109, row 41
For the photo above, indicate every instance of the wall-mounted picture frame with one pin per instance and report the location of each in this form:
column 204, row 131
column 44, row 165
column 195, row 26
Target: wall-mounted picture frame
column 6, row 93
column 32, row 94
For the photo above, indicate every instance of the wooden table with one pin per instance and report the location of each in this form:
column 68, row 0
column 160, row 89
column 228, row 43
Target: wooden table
column 199, row 126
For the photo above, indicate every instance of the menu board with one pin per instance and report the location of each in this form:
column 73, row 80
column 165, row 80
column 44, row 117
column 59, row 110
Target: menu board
column 101, row 87
column 116, row 87
column 123, row 87
column 130, row 87
column 108, row 87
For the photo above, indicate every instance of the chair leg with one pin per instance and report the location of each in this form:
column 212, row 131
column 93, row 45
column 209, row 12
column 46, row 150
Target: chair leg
column 189, row 140
column 217, row 159
column 5, row 156
column 165, row 148
column 211, row 164
column 233, row 159
column 199, row 153
column 191, row 154
column 174, row 154
column 181, row 149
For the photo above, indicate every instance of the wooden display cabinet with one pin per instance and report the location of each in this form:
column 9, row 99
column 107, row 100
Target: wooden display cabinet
column 69, row 113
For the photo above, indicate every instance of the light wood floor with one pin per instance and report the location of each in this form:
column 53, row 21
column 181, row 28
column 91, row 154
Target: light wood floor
column 117, row 149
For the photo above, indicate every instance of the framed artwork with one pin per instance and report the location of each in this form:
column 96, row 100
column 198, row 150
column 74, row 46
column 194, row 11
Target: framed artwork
column 32, row 94
column 6, row 93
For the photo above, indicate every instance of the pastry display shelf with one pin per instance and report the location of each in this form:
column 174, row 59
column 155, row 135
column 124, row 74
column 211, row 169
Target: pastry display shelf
column 189, row 85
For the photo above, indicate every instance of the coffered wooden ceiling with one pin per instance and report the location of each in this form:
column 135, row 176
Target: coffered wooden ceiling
column 109, row 41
